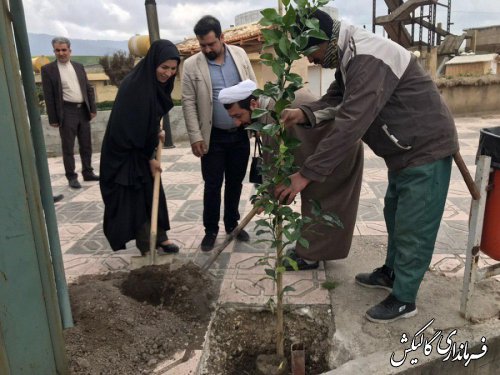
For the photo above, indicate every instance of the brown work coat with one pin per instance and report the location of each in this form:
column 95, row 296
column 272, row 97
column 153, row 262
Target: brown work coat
column 338, row 194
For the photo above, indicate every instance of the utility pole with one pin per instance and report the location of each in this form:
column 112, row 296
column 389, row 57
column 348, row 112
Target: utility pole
column 152, row 17
column 154, row 34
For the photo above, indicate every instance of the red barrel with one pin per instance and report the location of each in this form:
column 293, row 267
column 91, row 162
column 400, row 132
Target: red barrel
column 490, row 240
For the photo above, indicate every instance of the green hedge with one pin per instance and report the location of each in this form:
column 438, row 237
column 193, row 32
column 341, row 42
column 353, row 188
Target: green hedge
column 107, row 105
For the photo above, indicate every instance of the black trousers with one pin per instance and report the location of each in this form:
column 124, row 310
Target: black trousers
column 227, row 158
column 76, row 124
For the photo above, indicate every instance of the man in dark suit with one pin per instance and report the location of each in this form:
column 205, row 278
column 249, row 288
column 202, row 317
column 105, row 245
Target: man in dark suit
column 70, row 103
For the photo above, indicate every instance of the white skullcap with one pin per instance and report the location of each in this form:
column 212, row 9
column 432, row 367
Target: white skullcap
column 238, row 92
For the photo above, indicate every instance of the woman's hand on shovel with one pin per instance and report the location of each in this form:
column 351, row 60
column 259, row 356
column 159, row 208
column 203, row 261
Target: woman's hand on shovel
column 155, row 166
column 161, row 136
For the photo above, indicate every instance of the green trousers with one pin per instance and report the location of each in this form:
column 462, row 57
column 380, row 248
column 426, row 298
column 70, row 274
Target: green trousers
column 414, row 205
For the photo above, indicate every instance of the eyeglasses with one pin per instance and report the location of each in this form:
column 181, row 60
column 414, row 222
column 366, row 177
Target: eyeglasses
column 60, row 50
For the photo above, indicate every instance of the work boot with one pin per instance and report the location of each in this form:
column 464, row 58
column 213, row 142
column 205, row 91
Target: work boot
column 381, row 278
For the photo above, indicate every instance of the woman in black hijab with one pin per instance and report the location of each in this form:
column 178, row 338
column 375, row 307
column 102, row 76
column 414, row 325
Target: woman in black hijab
column 128, row 148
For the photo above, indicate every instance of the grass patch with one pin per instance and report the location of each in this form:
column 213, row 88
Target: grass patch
column 105, row 106
column 329, row 285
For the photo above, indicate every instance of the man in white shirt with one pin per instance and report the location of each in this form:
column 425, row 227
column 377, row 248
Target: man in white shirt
column 70, row 104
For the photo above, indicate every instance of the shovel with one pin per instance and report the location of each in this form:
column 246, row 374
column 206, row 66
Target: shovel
column 231, row 236
column 154, row 208
column 151, row 258
column 471, row 185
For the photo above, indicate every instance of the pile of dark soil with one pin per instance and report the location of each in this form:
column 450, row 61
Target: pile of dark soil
column 126, row 323
column 238, row 336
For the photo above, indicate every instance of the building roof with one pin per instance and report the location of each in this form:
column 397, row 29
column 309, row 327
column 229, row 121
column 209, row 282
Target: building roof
column 482, row 27
column 469, row 59
column 249, row 35
column 451, row 44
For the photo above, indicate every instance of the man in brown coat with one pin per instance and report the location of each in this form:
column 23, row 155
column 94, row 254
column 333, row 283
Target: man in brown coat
column 394, row 106
column 338, row 194
column 70, row 103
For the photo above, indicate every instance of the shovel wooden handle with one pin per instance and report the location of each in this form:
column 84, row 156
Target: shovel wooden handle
column 471, row 185
column 229, row 238
column 154, row 208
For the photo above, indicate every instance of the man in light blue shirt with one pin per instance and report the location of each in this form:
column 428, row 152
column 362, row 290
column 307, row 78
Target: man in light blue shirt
column 224, row 149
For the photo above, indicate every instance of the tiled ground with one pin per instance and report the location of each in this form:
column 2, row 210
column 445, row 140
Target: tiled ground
column 86, row 251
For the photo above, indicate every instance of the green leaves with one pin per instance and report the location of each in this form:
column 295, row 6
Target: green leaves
column 271, row 273
column 310, row 50
column 312, row 23
column 271, row 36
column 267, row 56
column 294, row 78
column 286, row 289
column 278, row 68
column 258, row 112
column 270, row 17
column 319, row 34
column 302, row 241
column 290, row 17
column 281, row 105
column 255, row 126
column 284, row 46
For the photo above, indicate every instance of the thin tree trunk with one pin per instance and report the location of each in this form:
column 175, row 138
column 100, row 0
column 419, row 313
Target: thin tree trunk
column 280, row 335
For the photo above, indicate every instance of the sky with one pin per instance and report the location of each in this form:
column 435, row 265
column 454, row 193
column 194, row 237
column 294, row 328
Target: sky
column 122, row 19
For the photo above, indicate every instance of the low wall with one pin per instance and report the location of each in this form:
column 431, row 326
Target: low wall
column 464, row 96
column 98, row 126
column 471, row 95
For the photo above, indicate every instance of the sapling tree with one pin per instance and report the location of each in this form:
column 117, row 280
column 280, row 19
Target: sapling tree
column 286, row 37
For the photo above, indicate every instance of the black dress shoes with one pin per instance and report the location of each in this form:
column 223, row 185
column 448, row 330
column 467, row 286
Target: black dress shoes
column 208, row 241
column 242, row 236
column 58, row 198
column 74, row 184
column 91, row 177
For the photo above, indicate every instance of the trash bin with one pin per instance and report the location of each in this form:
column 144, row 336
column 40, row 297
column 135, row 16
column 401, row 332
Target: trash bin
column 489, row 144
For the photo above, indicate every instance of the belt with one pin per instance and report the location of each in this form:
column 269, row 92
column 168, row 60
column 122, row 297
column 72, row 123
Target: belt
column 73, row 105
column 230, row 130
